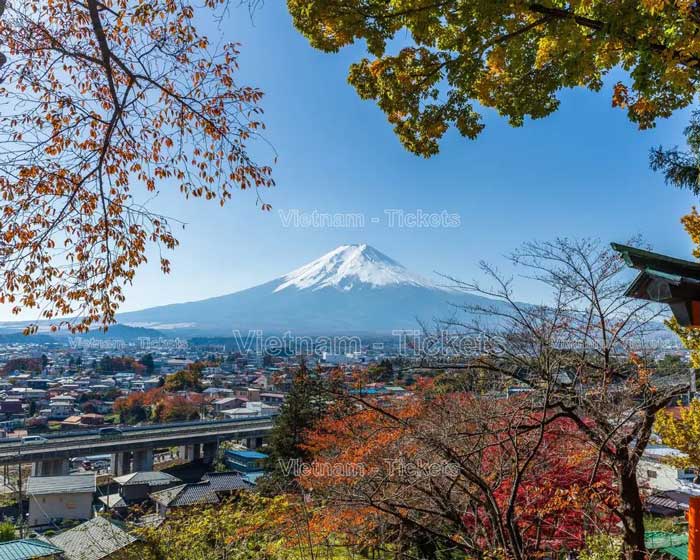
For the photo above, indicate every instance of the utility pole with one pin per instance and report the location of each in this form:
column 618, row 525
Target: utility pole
column 693, row 380
column 20, row 504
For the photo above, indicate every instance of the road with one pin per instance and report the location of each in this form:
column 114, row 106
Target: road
column 89, row 442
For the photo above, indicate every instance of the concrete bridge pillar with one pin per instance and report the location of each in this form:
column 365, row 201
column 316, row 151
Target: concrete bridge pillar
column 121, row 463
column 143, row 460
column 253, row 442
column 51, row 467
column 190, row 453
column 209, row 452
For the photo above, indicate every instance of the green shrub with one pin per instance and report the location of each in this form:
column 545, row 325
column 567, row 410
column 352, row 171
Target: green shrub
column 7, row 531
column 602, row 547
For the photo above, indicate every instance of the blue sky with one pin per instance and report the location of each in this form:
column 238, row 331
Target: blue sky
column 581, row 172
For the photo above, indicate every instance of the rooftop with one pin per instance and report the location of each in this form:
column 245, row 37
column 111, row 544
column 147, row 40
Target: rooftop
column 113, row 501
column 204, row 492
column 23, row 549
column 674, row 545
column 226, row 481
column 93, row 540
column 246, row 454
column 74, row 483
column 152, row 478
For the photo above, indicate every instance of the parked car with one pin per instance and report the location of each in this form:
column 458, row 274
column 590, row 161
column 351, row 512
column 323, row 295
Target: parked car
column 31, row 440
column 110, row 432
column 100, row 465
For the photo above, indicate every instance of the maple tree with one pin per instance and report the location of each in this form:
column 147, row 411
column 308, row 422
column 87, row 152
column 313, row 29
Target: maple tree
column 105, row 102
column 132, row 409
column 176, row 408
column 456, row 472
column 582, row 354
column 22, row 364
column 113, row 364
column 433, row 63
column 157, row 405
column 189, row 378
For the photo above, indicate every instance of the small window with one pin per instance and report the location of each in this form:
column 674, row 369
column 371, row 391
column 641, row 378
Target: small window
column 651, row 474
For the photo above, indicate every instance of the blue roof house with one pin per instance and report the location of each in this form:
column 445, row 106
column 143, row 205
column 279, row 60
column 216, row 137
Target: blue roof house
column 244, row 461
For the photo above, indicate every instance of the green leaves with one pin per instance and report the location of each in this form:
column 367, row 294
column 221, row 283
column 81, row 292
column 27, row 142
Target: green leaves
column 432, row 63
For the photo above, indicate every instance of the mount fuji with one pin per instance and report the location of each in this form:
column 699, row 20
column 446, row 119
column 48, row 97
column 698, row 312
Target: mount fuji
column 354, row 288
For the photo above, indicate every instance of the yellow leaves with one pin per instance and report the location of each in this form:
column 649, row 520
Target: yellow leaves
column 681, row 432
column 645, row 110
column 545, row 49
column 690, row 337
column 496, row 60
column 691, row 224
column 654, row 6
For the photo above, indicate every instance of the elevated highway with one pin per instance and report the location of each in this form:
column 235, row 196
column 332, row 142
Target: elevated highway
column 196, row 440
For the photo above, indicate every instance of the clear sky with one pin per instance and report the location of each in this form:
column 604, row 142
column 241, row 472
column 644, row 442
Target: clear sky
column 581, row 172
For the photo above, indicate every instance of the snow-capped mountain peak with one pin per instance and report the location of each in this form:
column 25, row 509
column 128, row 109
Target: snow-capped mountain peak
column 348, row 267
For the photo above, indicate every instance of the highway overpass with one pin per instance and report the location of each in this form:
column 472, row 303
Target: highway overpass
column 133, row 449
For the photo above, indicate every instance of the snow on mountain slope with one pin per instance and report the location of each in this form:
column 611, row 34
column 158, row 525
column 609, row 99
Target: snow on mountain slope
column 349, row 266
column 354, row 288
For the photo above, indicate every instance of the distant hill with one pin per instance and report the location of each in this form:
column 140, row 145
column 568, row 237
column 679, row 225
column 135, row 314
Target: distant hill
column 19, row 338
column 11, row 333
column 123, row 332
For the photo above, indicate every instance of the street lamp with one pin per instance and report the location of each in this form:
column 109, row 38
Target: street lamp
column 664, row 279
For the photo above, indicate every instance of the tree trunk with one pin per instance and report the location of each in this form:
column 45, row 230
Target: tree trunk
column 632, row 514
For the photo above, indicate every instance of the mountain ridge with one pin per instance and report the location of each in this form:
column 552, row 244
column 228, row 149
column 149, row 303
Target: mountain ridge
column 353, row 288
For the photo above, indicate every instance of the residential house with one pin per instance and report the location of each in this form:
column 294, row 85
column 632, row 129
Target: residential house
column 145, row 384
column 11, row 408
column 26, row 549
column 28, row 394
column 251, row 409
column 54, row 498
column 61, row 407
column 99, row 406
column 247, row 393
column 37, row 383
column 654, row 471
column 134, row 487
column 670, row 503
column 97, row 539
column 83, row 421
column 227, row 403
column 274, row 399
column 244, row 461
column 211, row 490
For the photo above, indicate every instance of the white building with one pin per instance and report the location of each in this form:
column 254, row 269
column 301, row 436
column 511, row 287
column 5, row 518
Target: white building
column 61, row 407
column 656, row 473
column 55, row 498
column 251, row 409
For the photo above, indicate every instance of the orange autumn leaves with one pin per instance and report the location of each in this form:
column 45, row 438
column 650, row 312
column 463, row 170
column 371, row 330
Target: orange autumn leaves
column 457, row 468
column 109, row 102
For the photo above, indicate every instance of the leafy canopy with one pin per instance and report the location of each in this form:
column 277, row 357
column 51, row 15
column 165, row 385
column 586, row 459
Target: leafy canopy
column 104, row 102
column 432, row 63
column 682, row 433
